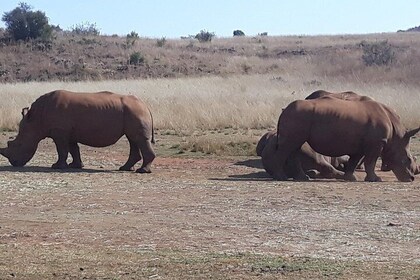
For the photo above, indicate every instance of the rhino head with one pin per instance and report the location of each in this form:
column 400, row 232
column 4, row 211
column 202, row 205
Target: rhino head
column 20, row 150
column 398, row 158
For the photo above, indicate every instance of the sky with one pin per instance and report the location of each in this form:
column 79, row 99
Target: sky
column 176, row 18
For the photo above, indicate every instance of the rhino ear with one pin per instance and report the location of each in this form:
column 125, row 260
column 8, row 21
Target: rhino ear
column 25, row 111
column 411, row 133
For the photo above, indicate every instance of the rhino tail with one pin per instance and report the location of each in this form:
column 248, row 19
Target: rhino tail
column 153, row 129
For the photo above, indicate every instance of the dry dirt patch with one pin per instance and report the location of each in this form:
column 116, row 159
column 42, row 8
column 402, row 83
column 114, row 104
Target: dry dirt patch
column 54, row 223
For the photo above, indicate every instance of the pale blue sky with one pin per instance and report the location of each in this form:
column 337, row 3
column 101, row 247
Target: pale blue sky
column 172, row 19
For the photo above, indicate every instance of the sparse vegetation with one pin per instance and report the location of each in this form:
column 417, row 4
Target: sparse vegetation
column 161, row 42
column 204, row 36
column 131, row 38
column 378, row 53
column 336, row 57
column 85, row 29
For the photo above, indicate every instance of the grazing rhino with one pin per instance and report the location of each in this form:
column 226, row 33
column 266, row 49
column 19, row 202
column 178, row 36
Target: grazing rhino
column 93, row 119
column 314, row 165
column 335, row 127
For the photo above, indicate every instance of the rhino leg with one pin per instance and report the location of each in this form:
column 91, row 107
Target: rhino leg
column 62, row 146
column 298, row 173
column 286, row 148
column 351, row 167
column 370, row 163
column 328, row 171
column 75, row 154
column 148, row 156
column 133, row 158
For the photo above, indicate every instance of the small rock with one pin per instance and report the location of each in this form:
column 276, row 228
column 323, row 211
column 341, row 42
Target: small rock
column 394, row 224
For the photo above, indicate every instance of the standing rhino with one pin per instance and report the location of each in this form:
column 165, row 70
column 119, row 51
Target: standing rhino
column 335, row 127
column 93, row 119
column 313, row 164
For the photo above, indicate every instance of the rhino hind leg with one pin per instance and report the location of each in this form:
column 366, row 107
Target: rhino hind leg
column 148, row 156
column 133, row 158
column 75, row 153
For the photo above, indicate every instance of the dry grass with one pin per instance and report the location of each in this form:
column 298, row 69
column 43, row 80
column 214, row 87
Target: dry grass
column 189, row 104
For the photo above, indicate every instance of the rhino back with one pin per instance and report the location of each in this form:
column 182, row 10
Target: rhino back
column 334, row 127
column 94, row 119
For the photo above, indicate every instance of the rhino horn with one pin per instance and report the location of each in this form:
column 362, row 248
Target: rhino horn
column 411, row 133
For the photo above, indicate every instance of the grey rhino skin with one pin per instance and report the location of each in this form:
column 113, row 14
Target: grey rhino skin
column 93, row 119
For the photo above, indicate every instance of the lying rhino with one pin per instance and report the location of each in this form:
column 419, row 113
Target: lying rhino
column 335, row 127
column 313, row 164
column 94, row 119
column 346, row 95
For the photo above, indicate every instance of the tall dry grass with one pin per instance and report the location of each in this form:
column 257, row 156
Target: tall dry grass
column 242, row 101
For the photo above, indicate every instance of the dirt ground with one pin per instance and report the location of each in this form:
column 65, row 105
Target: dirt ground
column 217, row 217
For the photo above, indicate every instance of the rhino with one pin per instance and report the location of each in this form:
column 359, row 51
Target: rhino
column 314, row 165
column 94, row 119
column 346, row 95
column 335, row 127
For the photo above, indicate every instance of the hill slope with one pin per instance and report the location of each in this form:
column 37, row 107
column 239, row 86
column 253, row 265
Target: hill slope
column 73, row 58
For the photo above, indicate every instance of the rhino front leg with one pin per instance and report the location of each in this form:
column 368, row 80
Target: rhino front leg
column 75, row 153
column 370, row 163
column 351, row 167
column 62, row 146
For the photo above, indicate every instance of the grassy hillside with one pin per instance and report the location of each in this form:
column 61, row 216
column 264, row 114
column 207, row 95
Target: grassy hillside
column 76, row 58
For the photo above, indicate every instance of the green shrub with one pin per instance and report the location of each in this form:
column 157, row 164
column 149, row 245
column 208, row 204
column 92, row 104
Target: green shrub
column 204, row 36
column 131, row 38
column 161, row 42
column 22, row 23
column 136, row 58
column 378, row 53
column 85, row 29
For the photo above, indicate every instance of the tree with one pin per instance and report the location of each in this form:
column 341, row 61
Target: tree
column 238, row 33
column 22, row 23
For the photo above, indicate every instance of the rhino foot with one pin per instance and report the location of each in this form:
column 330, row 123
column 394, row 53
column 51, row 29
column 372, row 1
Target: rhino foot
column 280, row 177
column 76, row 165
column 143, row 170
column 350, row 177
column 125, row 168
column 302, row 178
column 59, row 165
column 313, row 173
column 373, row 179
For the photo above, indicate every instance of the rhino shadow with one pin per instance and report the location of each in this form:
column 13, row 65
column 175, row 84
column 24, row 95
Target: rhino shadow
column 263, row 176
column 254, row 176
column 254, row 163
column 44, row 169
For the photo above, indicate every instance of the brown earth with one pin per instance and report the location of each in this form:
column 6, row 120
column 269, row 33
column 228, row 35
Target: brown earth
column 200, row 217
